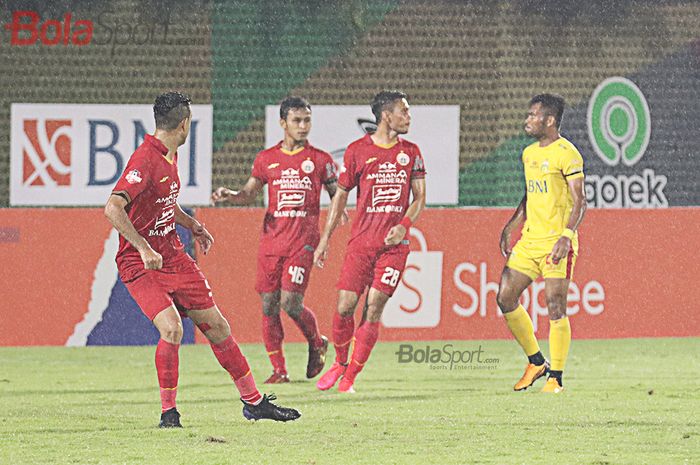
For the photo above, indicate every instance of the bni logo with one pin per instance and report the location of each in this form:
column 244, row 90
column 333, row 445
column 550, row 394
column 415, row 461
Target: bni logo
column 73, row 154
column 619, row 128
column 46, row 152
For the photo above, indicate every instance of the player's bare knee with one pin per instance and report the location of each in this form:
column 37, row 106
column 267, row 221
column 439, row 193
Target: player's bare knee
column 271, row 309
column 293, row 304
column 171, row 331
column 217, row 329
column 270, row 303
column 345, row 309
column 347, row 302
column 374, row 313
column 506, row 302
column 556, row 307
column 293, row 309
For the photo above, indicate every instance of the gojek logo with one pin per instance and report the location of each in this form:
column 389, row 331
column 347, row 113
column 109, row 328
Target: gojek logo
column 619, row 128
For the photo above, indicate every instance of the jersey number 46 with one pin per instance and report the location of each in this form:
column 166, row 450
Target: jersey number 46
column 297, row 274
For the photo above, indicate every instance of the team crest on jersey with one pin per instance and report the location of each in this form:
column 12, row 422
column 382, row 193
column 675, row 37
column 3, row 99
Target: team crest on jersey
column 402, row 158
column 133, row 177
column 307, row 166
column 545, row 166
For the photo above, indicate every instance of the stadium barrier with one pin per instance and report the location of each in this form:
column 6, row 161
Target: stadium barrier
column 632, row 278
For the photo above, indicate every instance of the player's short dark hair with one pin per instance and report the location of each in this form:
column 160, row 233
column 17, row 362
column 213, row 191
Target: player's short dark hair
column 170, row 109
column 552, row 104
column 293, row 103
column 385, row 100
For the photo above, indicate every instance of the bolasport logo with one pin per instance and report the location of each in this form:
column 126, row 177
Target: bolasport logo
column 107, row 29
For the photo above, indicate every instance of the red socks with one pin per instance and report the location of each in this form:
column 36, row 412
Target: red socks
column 167, row 364
column 230, row 357
column 343, row 329
column 306, row 321
column 367, row 335
column 273, row 334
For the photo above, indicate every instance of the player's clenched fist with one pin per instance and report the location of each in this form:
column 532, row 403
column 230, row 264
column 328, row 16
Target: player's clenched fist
column 221, row 194
column 395, row 235
column 152, row 260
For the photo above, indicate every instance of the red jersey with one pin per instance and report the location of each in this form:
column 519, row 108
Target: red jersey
column 383, row 178
column 152, row 184
column 294, row 181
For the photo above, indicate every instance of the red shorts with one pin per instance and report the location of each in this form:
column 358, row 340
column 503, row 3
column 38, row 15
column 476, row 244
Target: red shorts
column 378, row 268
column 289, row 273
column 181, row 283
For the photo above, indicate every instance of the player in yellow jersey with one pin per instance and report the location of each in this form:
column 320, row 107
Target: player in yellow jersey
column 552, row 208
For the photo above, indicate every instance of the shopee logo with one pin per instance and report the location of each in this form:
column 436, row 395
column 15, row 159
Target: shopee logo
column 46, row 152
column 27, row 28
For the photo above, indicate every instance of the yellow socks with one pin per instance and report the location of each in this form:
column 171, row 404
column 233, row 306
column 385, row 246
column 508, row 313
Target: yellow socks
column 521, row 326
column 559, row 342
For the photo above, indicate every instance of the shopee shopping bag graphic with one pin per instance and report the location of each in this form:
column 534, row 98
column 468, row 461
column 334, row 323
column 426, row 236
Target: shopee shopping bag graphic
column 416, row 302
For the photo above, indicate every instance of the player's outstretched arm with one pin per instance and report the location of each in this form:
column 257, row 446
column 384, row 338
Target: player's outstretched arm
column 245, row 196
column 397, row 233
column 340, row 200
column 514, row 221
column 116, row 214
column 578, row 195
column 199, row 232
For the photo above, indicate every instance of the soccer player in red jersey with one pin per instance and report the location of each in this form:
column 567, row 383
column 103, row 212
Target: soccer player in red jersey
column 163, row 280
column 382, row 166
column 295, row 172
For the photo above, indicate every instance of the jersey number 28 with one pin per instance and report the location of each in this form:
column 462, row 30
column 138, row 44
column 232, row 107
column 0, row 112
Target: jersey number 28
column 391, row 276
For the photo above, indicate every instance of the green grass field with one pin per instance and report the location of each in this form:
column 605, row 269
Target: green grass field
column 634, row 401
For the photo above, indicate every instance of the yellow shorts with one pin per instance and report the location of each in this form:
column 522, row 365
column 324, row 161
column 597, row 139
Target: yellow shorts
column 532, row 259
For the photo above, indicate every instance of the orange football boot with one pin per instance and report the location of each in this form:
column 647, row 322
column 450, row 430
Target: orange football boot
column 532, row 374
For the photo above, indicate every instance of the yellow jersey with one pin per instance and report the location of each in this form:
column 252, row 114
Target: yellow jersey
column 549, row 203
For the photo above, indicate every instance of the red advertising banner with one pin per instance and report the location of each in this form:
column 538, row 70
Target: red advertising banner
column 49, row 259
column 632, row 278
